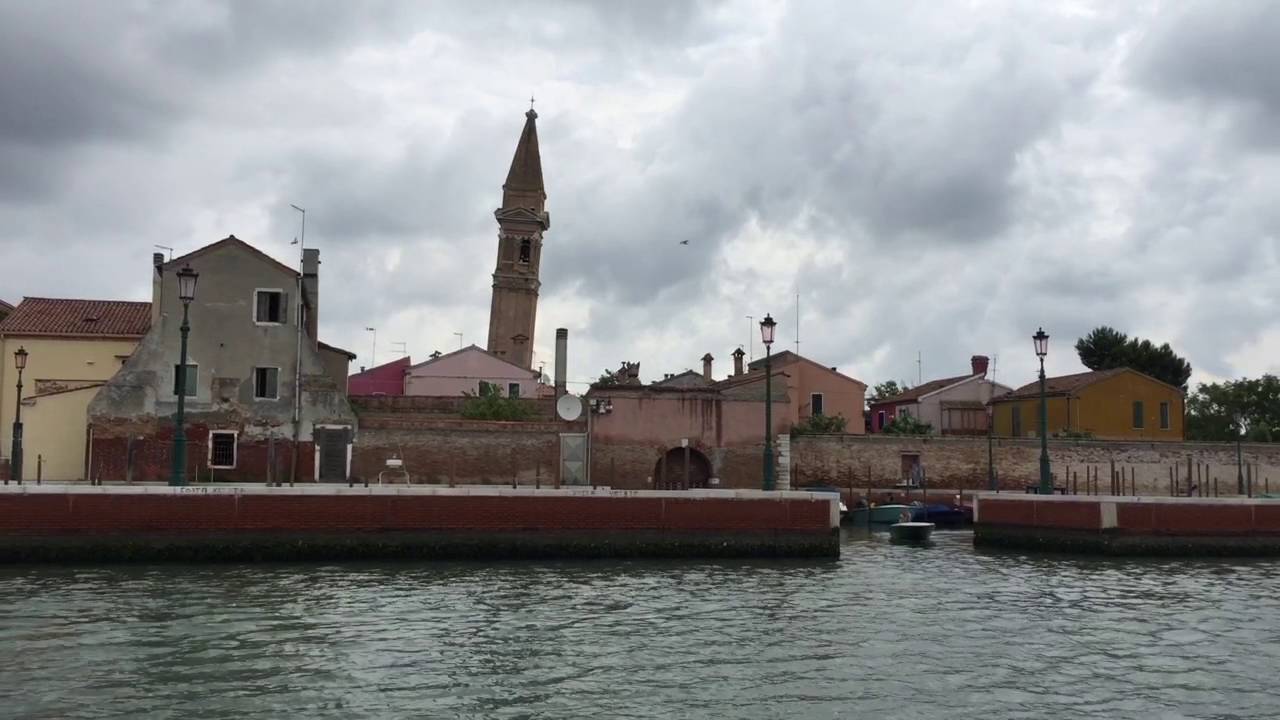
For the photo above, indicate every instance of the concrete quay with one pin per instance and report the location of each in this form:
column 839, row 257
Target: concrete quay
column 1118, row 525
column 244, row 523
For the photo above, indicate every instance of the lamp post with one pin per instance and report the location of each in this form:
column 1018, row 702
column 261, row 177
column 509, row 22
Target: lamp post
column 991, row 455
column 15, row 456
column 1239, row 454
column 1041, row 339
column 766, row 335
column 186, row 293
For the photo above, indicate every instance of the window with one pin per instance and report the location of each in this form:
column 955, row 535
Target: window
column 191, row 380
column 1017, row 421
column 1164, row 416
column 485, row 389
column 880, row 419
column 815, row 404
column 1138, row 420
column 266, row 383
column 526, row 250
column 222, row 450
column 268, row 306
column 513, row 390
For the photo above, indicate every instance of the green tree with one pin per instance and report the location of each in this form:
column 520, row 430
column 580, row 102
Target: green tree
column 887, row 389
column 908, row 425
column 1213, row 409
column 821, row 425
column 490, row 404
column 1105, row 348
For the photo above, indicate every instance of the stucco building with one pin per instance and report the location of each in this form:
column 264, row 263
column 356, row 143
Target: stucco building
column 384, row 379
column 950, row 406
column 1119, row 404
column 464, row 371
column 73, row 347
column 522, row 220
column 816, row 389
column 248, row 417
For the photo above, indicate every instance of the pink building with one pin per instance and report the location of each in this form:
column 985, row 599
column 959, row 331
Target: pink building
column 385, row 379
column 689, row 430
column 462, row 371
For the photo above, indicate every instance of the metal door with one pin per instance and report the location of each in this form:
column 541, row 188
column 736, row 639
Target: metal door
column 332, row 443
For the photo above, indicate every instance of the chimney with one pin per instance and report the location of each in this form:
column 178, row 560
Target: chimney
column 311, row 288
column 562, row 361
column 157, row 288
column 706, row 367
column 737, row 361
column 979, row 364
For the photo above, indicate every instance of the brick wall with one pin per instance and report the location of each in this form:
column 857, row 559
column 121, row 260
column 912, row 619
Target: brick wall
column 876, row 461
column 365, row 405
column 145, row 454
column 87, row 512
column 460, row 452
column 631, row 466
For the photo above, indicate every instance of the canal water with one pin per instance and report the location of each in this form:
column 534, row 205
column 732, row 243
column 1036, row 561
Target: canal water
column 885, row 632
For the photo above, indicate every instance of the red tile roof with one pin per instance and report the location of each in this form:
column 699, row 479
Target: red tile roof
column 919, row 391
column 1061, row 385
column 78, row 318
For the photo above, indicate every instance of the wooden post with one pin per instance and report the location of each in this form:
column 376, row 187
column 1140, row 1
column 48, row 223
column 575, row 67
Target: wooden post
column 1113, row 477
column 39, row 468
column 686, row 468
column 1075, row 483
column 661, row 480
column 537, row 475
column 1215, row 487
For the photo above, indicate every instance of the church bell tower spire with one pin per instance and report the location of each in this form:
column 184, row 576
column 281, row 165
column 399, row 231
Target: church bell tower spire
column 521, row 221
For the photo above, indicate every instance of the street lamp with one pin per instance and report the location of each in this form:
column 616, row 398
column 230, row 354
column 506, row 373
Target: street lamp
column 766, row 336
column 1239, row 418
column 15, row 456
column 186, row 293
column 991, row 456
column 1041, row 339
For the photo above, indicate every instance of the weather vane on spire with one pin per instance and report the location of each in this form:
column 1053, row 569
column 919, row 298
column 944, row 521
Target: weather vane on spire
column 530, row 101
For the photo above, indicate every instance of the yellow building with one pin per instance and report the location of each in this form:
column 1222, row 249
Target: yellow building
column 1119, row 404
column 73, row 347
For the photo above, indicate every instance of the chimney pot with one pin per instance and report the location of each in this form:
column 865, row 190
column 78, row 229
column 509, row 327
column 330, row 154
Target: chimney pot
column 737, row 361
column 706, row 367
column 979, row 364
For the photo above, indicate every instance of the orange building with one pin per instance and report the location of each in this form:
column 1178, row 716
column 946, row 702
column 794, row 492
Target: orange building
column 1119, row 404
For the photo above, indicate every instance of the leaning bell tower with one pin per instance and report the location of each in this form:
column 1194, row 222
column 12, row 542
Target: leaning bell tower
column 521, row 221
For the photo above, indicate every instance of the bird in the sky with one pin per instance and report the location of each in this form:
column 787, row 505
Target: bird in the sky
column 684, row 242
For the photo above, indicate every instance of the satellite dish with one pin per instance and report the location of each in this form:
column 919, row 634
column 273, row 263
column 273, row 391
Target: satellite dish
column 569, row 407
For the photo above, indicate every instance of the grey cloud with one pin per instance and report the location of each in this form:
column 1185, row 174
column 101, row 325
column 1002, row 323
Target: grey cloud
column 1218, row 53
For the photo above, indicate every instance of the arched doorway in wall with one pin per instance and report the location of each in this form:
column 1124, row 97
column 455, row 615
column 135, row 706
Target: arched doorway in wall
column 669, row 472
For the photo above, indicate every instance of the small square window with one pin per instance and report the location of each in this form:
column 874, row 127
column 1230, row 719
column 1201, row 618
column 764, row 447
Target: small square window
column 222, row 450
column 1139, row 421
column 266, row 383
column 513, row 390
column 268, row 306
column 191, row 380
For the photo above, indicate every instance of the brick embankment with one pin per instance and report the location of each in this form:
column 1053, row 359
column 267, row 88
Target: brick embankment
column 247, row 523
column 1129, row 526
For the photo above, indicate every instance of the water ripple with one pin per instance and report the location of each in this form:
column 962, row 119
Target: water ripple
column 886, row 632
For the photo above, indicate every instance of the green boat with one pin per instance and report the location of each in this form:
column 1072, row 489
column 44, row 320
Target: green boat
column 878, row 515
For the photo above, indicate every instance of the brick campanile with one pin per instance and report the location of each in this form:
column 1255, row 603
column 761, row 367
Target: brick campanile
column 521, row 221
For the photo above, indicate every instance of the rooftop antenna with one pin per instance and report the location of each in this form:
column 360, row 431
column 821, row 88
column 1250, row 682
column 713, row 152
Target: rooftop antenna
column 919, row 368
column 459, row 335
column 404, row 347
column 797, row 323
column 751, row 333
column 166, row 247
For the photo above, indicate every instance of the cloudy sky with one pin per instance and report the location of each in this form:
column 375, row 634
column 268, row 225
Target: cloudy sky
column 928, row 177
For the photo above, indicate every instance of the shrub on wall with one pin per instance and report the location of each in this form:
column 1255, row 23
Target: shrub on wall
column 821, row 425
column 907, row 425
column 490, row 404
